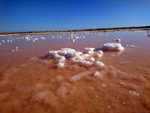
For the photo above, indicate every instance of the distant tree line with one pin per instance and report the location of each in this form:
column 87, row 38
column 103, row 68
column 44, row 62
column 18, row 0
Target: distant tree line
column 115, row 28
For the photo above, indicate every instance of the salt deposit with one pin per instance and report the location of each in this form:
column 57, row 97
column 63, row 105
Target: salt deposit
column 97, row 74
column 134, row 93
column 99, row 64
column 97, row 55
column 62, row 59
column 60, row 65
column 68, row 54
column 100, row 52
column 73, row 40
column 113, row 47
column 117, row 40
column 104, row 85
column 91, row 59
column 89, row 50
column 131, row 46
column 7, row 41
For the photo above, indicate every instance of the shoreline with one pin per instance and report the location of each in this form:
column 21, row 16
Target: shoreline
column 78, row 31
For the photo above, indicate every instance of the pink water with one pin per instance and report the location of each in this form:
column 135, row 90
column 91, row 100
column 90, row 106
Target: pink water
column 30, row 83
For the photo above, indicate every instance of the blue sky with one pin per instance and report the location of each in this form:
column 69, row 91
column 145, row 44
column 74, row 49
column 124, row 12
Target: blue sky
column 47, row 15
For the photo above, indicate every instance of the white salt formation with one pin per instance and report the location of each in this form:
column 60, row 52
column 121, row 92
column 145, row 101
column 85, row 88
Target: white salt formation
column 43, row 38
column 91, row 59
column 89, row 50
column 113, row 47
column 97, row 55
column 134, row 93
column 131, row 46
column 117, row 40
column 73, row 40
column 60, row 65
column 87, row 58
column 97, row 74
column 99, row 64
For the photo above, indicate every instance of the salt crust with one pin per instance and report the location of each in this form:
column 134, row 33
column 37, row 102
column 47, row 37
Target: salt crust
column 88, row 57
column 113, row 47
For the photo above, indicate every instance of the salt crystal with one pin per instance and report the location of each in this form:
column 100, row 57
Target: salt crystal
column 134, row 93
column 117, row 40
column 43, row 38
column 62, row 59
column 104, row 85
column 73, row 40
column 91, row 59
column 60, row 65
column 97, row 55
column 99, row 64
column 97, row 74
column 122, row 83
column 89, row 50
column 7, row 41
column 100, row 52
column 113, row 47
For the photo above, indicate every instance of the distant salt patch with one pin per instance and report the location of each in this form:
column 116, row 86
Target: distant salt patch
column 43, row 38
column 117, row 40
column 104, row 85
column 134, row 93
column 131, row 46
column 113, row 47
column 89, row 57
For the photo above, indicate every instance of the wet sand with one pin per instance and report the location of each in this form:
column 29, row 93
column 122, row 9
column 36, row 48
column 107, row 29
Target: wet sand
column 29, row 82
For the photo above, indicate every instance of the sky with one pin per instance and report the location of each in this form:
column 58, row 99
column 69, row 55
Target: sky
column 49, row 15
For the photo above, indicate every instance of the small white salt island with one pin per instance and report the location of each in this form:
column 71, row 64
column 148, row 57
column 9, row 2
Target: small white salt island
column 113, row 47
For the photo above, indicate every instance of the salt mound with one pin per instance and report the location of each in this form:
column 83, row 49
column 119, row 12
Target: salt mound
column 117, row 40
column 97, row 74
column 87, row 58
column 99, row 64
column 113, row 47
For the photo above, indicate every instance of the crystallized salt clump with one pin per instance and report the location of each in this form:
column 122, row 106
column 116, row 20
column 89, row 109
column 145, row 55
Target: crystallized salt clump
column 91, row 59
column 100, row 52
column 83, row 62
column 60, row 65
column 89, row 50
column 97, row 74
column 97, row 55
column 83, row 59
column 68, row 50
column 62, row 59
column 99, row 64
column 117, row 40
column 113, row 47
column 134, row 93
